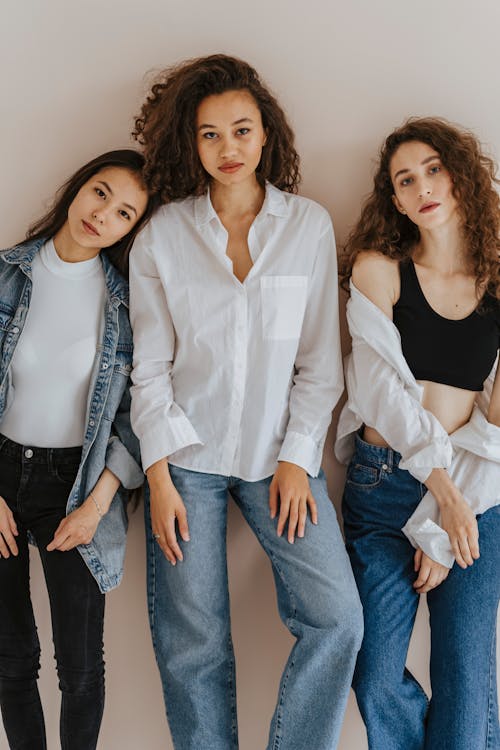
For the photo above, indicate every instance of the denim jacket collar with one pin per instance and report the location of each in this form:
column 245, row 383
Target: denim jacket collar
column 23, row 254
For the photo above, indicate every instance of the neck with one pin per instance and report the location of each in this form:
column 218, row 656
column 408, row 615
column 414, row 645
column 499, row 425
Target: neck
column 69, row 250
column 237, row 200
column 443, row 248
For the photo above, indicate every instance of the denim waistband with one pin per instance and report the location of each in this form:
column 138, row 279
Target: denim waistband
column 39, row 455
column 377, row 453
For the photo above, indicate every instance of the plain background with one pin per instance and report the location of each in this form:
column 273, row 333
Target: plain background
column 72, row 75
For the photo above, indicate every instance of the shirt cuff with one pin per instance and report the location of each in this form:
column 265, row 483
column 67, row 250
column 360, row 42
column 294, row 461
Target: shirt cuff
column 166, row 439
column 437, row 455
column 432, row 539
column 123, row 465
column 303, row 451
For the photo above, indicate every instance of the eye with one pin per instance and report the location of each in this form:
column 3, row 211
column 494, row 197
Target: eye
column 242, row 131
column 209, row 136
column 124, row 214
column 406, row 181
column 435, row 169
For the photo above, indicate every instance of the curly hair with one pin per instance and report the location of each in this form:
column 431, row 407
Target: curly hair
column 166, row 127
column 50, row 223
column 381, row 227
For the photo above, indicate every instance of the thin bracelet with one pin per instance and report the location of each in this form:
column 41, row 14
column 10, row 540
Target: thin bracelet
column 98, row 507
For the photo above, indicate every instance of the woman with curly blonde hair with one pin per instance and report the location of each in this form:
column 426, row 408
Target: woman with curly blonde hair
column 236, row 370
column 421, row 433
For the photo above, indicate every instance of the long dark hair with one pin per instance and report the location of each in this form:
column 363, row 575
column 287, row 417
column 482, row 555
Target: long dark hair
column 49, row 224
column 381, row 227
column 166, row 126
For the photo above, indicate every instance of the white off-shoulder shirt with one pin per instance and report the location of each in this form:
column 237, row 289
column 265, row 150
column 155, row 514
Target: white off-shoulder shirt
column 231, row 377
column 383, row 393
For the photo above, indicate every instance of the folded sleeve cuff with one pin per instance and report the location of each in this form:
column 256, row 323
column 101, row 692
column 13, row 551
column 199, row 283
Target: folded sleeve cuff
column 432, row 539
column 303, row 451
column 161, row 442
column 436, row 455
column 123, row 465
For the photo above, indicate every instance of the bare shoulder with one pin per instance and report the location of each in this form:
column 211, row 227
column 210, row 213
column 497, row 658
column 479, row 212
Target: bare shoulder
column 377, row 277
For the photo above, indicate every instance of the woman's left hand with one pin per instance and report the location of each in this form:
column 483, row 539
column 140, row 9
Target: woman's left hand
column 430, row 573
column 77, row 528
column 290, row 491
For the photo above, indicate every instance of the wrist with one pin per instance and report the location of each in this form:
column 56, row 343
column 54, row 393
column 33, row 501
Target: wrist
column 97, row 505
column 442, row 487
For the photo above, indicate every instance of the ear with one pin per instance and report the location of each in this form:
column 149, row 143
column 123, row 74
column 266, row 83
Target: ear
column 265, row 138
column 398, row 205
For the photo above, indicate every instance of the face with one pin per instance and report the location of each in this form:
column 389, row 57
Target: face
column 423, row 188
column 230, row 136
column 105, row 209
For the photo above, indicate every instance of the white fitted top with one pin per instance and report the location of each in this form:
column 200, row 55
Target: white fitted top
column 52, row 363
column 231, row 377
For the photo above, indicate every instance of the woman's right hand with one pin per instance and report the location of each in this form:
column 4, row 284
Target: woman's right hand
column 167, row 510
column 457, row 518
column 8, row 530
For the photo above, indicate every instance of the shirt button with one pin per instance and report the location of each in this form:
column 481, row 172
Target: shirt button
column 28, row 453
column 384, row 467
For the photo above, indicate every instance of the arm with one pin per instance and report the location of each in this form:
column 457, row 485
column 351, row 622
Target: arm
column 80, row 525
column 160, row 424
column 317, row 386
column 377, row 391
column 419, row 437
column 122, row 452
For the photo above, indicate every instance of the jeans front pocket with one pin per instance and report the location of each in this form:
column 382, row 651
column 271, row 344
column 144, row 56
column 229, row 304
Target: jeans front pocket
column 283, row 301
column 361, row 475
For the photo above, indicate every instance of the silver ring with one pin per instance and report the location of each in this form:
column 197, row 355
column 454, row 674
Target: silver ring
column 156, row 536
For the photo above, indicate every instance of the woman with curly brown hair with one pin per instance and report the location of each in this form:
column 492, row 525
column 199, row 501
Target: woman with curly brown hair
column 421, row 430
column 236, row 370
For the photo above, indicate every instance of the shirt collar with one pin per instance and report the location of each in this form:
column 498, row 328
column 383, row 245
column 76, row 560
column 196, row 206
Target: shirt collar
column 275, row 203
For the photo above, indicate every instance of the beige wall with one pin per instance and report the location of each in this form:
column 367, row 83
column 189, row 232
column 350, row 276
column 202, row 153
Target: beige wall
column 71, row 77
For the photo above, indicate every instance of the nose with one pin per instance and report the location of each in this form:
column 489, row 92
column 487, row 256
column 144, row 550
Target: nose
column 228, row 147
column 98, row 216
column 424, row 188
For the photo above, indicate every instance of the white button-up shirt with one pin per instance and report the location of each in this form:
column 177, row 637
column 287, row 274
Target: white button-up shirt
column 231, row 377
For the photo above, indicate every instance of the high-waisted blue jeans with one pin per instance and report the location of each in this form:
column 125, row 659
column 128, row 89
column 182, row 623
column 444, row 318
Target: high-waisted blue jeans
column 35, row 483
column 463, row 711
column 189, row 615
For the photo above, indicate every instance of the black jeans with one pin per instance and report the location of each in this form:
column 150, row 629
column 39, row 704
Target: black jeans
column 35, row 483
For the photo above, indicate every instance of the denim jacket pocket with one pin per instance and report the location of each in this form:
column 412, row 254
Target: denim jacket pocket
column 360, row 475
column 283, row 300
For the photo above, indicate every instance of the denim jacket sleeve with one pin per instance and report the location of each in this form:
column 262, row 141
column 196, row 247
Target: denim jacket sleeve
column 122, row 453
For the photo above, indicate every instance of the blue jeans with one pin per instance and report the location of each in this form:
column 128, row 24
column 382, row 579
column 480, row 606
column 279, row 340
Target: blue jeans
column 35, row 483
column 189, row 616
column 463, row 712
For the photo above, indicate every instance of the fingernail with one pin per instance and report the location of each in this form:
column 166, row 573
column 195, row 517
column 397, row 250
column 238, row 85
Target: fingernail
column 291, row 541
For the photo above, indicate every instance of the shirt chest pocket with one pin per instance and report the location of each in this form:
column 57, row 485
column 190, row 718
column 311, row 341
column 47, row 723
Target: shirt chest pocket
column 283, row 300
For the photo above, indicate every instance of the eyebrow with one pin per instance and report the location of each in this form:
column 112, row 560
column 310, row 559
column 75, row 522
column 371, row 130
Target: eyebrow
column 425, row 161
column 236, row 122
column 108, row 188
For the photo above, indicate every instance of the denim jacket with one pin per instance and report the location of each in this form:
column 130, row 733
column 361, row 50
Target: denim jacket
column 108, row 440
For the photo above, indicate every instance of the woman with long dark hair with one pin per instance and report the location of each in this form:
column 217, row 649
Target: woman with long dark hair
column 67, row 453
column 421, row 430
column 236, row 370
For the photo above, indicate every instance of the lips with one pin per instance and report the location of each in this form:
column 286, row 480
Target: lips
column 90, row 229
column 428, row 207
column 230, row 167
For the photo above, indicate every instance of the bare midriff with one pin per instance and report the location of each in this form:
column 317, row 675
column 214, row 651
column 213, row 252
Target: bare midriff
column 451, row 406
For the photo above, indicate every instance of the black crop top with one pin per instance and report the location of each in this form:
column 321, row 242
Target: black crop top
column 460, row 353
